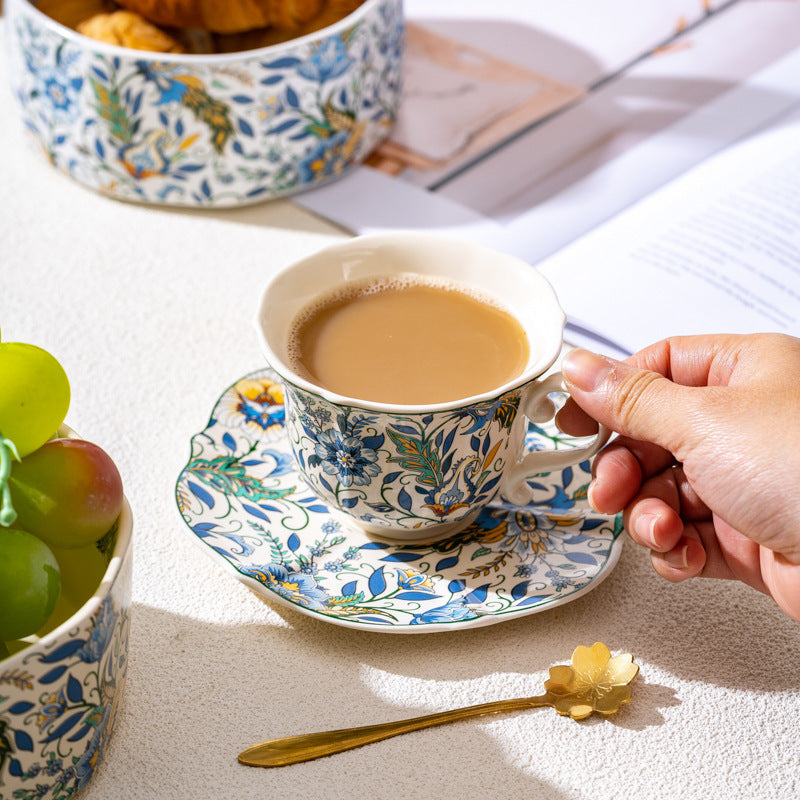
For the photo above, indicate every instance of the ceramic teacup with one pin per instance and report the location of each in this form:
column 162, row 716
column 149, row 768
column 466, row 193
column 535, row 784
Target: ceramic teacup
column 419, row 473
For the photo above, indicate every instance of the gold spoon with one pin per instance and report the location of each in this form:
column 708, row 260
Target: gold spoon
column 594, row 682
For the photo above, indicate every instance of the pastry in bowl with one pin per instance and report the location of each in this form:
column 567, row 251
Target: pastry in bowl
column 129, row 29
column 232, row 16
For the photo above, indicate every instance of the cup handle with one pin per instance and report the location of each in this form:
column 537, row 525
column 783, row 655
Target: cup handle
column 537, row 406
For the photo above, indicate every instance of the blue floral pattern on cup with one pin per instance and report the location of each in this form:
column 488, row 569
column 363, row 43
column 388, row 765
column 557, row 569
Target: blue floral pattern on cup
column 426, row 469
column 241, row 496
column 59, row 703
column 208, row 131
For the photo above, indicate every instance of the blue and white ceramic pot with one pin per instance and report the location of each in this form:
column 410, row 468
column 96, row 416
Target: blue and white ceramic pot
column 207, row 130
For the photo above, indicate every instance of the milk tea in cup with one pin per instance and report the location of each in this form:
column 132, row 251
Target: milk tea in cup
column 407, row 340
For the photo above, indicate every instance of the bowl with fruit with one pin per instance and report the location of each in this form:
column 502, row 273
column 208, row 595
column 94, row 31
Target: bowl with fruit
column 200, row 104
column 65, row 578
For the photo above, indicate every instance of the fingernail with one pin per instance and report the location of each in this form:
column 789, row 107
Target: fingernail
column 586, row 370
column 645, row 527
column 678, row 558
column 590, row 496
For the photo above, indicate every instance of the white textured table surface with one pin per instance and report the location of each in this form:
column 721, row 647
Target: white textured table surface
column 150, row 312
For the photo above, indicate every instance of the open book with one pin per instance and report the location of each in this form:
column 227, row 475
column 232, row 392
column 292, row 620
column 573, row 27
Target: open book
column 714, row 250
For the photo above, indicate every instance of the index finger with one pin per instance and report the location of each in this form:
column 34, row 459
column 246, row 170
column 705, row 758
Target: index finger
column 620, row 469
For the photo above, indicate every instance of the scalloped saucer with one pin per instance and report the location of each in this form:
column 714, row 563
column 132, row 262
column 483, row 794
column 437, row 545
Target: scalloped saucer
column 249, row 509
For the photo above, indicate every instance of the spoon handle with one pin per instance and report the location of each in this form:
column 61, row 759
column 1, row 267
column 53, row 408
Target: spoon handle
column 308, row 746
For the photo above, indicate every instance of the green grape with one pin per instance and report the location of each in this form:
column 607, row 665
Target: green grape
column 82, row 570
column 15, row 646
column 30, row 581
column 34, row 398
column 68, row 492
column 34, row 395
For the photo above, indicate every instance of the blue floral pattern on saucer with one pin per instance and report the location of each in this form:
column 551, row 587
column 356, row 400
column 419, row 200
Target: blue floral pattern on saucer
column 244, row 501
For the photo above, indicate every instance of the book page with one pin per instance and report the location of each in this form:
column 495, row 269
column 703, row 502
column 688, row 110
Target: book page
column 717, row 250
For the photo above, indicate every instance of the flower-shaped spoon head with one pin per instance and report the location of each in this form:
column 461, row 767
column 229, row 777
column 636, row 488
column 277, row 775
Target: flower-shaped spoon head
column 596, row 681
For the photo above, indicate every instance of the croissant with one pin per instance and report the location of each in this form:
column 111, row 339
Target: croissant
column 129, row 30
column 72, row 12
column 226, row 16
column 332, row 11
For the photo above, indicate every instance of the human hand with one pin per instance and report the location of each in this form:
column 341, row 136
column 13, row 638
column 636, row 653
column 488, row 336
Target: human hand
column 706, row 469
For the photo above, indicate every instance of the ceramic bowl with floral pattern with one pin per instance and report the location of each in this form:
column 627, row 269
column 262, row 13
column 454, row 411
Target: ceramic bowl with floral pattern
column 59, row 696
column 207, row 130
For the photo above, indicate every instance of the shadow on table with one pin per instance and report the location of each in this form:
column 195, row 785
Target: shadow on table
column 202, row 692
column 281, row 216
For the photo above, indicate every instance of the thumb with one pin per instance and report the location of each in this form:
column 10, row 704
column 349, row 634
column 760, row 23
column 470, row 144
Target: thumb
column 637, row 403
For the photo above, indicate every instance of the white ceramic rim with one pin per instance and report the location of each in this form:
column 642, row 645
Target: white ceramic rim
column 121, row 551
column 95, row 45
column 532, row 371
